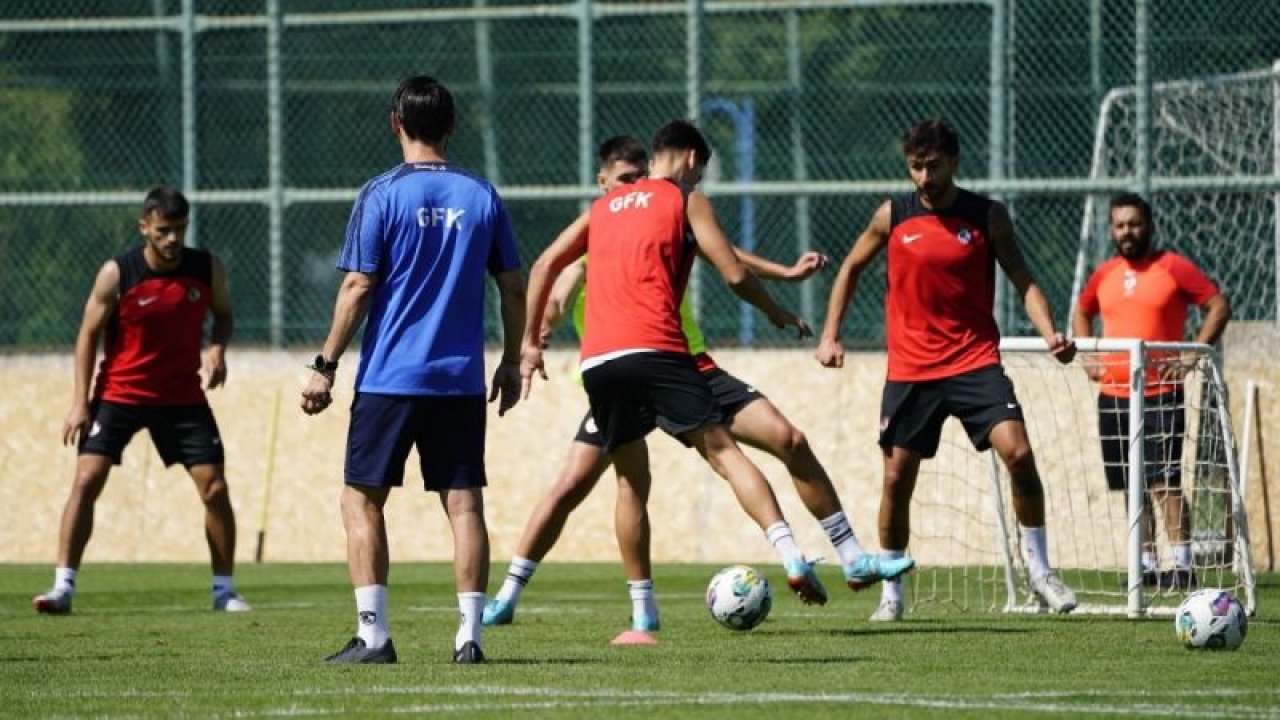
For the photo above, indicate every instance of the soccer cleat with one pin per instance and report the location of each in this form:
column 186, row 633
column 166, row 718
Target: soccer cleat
column 468, row 654
column 871, row 569
column 231, row 602
column 1054, row 593
column 888, row 611
column 645, row 623
column 356, row 652
column 498, row 612
column 804, row 581
column 52, row 602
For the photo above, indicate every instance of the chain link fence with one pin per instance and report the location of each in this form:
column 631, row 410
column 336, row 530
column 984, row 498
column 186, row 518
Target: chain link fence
column 271, row 113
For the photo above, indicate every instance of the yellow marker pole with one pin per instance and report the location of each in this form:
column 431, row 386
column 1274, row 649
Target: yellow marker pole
column 272, row 429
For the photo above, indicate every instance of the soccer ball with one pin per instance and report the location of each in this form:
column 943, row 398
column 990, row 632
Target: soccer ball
column 1211, row 619
column 739, row 597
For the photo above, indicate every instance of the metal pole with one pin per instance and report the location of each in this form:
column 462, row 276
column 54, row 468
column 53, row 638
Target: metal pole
column 275, row 174
column 1142, row 98
column 484, row 76
column 693, row 106
column 745, row 124
column 189, row 115
column 1137, row 473
column 997, row 114
column 1275, row 170
column 799, row 161
column 586, row 95
column 1095, row 50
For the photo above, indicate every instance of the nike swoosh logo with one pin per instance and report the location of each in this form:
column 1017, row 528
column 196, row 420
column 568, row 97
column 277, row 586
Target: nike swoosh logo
column 143, row 302
column 906, row 239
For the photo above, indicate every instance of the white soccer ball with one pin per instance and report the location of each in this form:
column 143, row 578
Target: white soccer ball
column 739, row 597
column 1211, row 619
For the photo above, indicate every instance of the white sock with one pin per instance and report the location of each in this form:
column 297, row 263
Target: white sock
column 642, row 599
column 222, row 585
column 471, row 605
column 842, row 537
column 1149, row 562
column 371, row 615
column 518, row 575
column 891, row 590
column 64, row 581
column 784, row 542
column 1182, row 555
column 1035, row 547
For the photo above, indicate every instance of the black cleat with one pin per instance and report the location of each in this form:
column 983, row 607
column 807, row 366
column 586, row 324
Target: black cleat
column 468, row 654
column 356, row 652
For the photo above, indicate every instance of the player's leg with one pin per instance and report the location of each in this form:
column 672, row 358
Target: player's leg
column 631, row 525
column 379, row 436
column 761, row 425
column 1166, row 429
column 465, row 508
column 101, row 445
column 755, row 496
column 582, row 469
column 985, row 402
column 901, row 468
column 220, row 533
column 1113, row 437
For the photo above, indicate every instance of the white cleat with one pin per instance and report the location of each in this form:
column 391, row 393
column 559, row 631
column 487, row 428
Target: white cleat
column 1054, row 593
column 231, row 602
column 889, row 611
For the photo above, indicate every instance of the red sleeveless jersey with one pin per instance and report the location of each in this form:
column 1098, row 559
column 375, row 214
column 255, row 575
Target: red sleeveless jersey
column 151, row 352
column 641, row 253
column 941, row 267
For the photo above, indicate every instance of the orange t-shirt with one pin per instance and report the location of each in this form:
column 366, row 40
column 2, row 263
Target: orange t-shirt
column 641, row 253
column 1145, row 299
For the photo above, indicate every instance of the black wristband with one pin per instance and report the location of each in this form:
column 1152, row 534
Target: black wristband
column 323, row 365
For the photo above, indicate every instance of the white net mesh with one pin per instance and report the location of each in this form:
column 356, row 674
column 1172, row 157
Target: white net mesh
column 965, row 536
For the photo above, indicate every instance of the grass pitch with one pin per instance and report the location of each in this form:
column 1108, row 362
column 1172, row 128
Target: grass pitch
column 143, row 643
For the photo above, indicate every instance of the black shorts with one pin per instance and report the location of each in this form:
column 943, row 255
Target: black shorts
column 1164, row 425
column 633, row 394
column 912, row 413
column 448, row 431
column 731, row 395
column 184, row 434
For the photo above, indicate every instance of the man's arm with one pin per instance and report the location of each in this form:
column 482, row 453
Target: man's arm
column 563, row 293
column 1033, row 298
column 1082, row 326
column 1217, row 312
column 873, row 239
column 349, row 310
column 568, row 246
column 215, row 360
column 506, row 378
column 97, row 309
column 715, row 247
column 806, row 265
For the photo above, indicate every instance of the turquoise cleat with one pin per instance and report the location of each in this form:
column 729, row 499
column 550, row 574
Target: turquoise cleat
column 498, row 612
column 804, row 581
column 871, row 569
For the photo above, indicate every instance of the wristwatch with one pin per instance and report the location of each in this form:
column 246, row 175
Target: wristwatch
column 323, row 365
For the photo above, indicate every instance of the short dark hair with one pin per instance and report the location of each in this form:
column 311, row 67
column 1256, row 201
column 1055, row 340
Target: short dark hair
column 424, row 107
column 626, row 148
column 168, row 202
column 1130, row 199
column 934, row 135
column 682, row 135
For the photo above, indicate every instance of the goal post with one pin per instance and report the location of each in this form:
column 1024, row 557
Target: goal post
column 964, row 533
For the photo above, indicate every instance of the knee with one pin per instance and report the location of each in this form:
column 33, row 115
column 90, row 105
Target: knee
column 793, row 444
column 1020, row 460
column 215, row 494
column 897, row 483
column 88, row 485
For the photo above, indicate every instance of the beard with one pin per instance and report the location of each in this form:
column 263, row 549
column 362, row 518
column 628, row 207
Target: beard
column 1133, row 247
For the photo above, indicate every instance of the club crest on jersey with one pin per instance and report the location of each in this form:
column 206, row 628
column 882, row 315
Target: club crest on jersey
column 193, row 294
column 964, row 236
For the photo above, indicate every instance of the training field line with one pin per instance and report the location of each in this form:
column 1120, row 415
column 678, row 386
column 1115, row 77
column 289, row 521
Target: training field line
column 502, row 698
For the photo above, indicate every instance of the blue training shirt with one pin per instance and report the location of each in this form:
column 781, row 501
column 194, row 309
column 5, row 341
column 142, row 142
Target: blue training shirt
column 429, row 232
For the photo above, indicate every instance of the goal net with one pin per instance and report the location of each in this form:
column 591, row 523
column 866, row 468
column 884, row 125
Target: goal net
column 964, row 534
column 1220, row 137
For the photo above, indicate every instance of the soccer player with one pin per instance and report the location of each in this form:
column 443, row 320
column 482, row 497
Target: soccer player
column 421, row 239
column 150, row 304
column 943, row 243
column 636, row 365
column 752, row 419
column 1143, row 292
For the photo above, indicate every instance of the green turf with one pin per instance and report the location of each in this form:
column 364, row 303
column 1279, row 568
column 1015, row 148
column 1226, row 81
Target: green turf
column 143, row 643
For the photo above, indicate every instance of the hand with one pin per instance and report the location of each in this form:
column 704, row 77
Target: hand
column 784, row 319
column 530, row 362
column 1173, row 369
column 506, row 385
column 544, row 337
column 1094, row 370
column 807, row 264
column 74, row 425
column 830, row 353
column 1062, row 348
column 215, row 368
column 316, row 396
